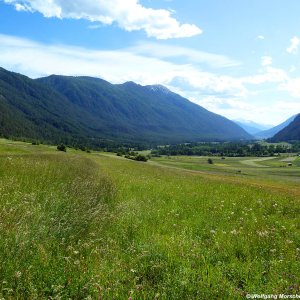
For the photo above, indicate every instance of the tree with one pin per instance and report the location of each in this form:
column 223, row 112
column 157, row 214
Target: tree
column 210, row 161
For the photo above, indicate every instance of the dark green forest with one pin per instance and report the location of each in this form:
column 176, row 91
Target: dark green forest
column 226, row 149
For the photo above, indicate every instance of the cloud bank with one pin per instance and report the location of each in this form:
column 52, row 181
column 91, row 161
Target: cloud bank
column 130, row 15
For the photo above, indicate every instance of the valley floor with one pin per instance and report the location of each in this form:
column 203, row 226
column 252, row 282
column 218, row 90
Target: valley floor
column 96, row 226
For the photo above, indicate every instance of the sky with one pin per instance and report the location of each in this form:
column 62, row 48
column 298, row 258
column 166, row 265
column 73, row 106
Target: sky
column 240, row 59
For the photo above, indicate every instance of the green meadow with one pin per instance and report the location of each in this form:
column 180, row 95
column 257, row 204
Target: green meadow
column 80, row 225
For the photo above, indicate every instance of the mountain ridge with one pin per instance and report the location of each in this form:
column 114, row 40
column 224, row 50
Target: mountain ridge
column 87, row 109
column 252, row 127
column 274, row 130
column 289, row 133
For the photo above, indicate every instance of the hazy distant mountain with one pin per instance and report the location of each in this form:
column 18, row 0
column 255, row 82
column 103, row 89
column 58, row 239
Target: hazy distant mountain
column 290, row 132
column 272, row 131
column 252, row 127
column 90, row 110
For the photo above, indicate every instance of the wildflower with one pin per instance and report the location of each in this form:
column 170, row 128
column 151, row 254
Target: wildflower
column 18, row 274
column 213, row 232
column 273, row 250
column 263, row 233
column 234, row 231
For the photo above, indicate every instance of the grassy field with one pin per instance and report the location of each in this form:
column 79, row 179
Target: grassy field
column 273, row 169
column 96, row 226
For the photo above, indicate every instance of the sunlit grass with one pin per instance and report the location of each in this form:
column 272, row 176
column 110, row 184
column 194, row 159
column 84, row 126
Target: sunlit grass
column 91, row 226
column 52, row 209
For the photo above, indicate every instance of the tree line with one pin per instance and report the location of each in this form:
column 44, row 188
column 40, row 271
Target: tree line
column 226, row 149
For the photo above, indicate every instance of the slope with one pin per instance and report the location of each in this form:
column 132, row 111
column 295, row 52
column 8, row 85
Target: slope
column 28, row 109
column 289, row 133
column 149, row 113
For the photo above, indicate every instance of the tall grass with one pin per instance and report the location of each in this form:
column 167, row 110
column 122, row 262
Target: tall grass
column 67, row 231
column 51, row 209
column 180, row 235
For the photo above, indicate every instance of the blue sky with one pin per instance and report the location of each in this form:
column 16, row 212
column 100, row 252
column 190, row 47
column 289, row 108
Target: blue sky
column 236, row 58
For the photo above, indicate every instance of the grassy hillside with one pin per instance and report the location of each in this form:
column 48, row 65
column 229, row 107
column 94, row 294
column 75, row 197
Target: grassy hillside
column 96, row 226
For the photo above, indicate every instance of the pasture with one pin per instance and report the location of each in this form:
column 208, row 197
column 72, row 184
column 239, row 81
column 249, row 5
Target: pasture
column 96, row 226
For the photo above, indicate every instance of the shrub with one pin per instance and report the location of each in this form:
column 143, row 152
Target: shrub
column 140, row 157
column 210, row 161
column 62, row 147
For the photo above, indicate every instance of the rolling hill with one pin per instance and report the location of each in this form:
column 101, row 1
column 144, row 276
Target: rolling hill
column 289, row 133
column 92, row 111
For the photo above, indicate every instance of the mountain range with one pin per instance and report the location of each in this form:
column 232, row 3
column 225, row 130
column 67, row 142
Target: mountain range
column 252, row 127
column 86, row 110
column 274, row 130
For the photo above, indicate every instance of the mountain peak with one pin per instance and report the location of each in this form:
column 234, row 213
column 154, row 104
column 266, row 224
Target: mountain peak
column 130, row 83
column 158, row 88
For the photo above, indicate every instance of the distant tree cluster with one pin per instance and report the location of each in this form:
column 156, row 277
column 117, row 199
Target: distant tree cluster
column 134, row 156
column 226, row 149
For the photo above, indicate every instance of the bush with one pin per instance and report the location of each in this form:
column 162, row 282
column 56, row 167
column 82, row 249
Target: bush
column 210, row 161
column 141, row 158
column 62, row 147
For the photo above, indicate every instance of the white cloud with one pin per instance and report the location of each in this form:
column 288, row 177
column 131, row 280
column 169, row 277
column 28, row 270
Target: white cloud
column 293, row 48
column 128, row 14
column 187, row 54
column 268, row 75
column 266, row 61
column 260, row 37
column 206, row 84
